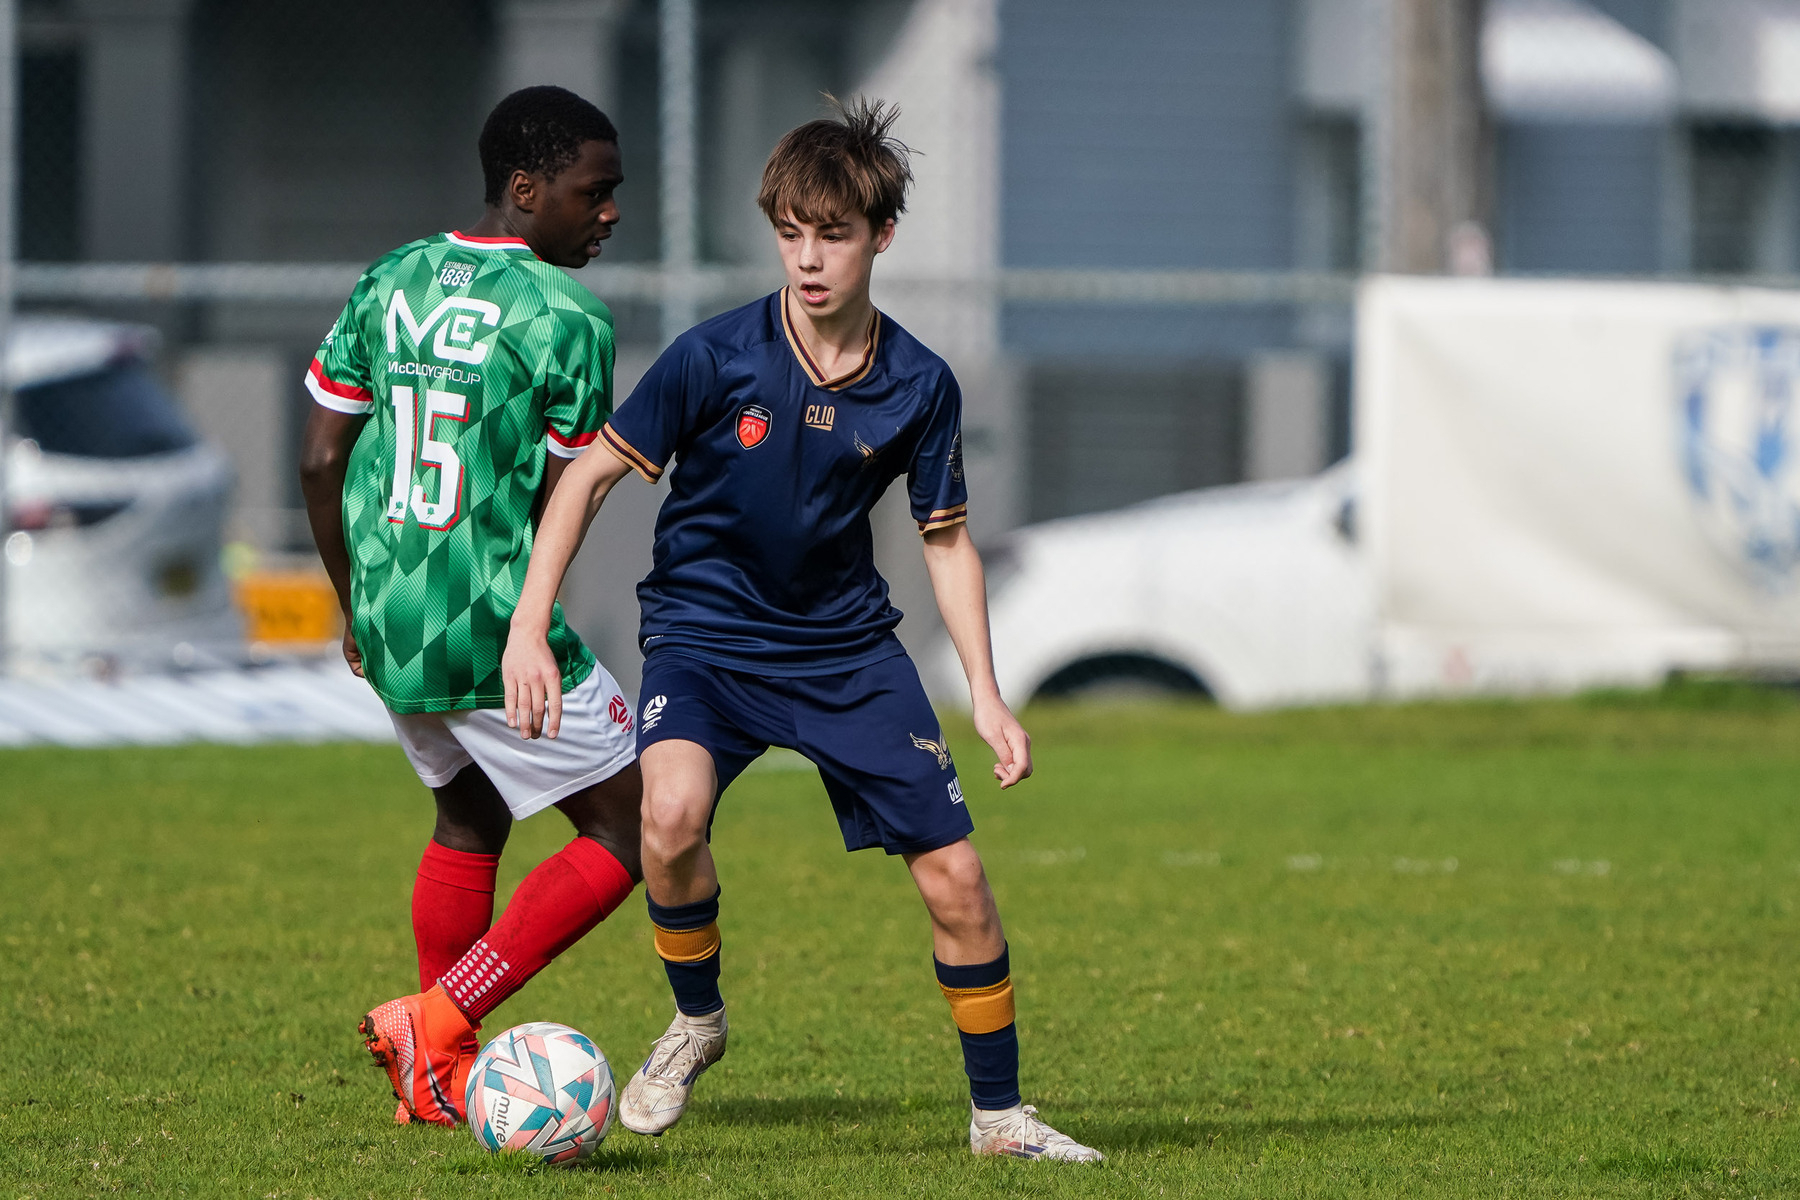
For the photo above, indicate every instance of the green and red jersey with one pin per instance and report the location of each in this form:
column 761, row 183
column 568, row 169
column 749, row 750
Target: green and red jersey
column 473, row 359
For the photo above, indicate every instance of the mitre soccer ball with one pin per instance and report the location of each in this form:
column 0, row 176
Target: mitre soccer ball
column 542, row 1089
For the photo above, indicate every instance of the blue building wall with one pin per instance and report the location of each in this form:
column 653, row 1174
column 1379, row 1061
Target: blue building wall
column 1140, row 134
column 1167, row 134
column 1585, row 197
column 1580, row 198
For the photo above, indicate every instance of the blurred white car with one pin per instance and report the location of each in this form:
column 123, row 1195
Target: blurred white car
column 116, row 508
column 1255, row 594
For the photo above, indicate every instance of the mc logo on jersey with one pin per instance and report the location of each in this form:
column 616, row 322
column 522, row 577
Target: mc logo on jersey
column 456, row 335
column 753, row 425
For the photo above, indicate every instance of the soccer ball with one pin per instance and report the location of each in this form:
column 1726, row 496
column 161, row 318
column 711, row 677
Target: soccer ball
column 543, row 1089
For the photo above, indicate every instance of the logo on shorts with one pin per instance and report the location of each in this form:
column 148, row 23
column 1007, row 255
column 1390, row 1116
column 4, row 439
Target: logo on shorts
column 620, row 712
column 938, row 748
column 753, row 425
column 653, row 709
column 955, row 790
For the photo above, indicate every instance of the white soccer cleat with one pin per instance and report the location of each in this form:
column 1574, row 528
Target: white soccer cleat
column 658, row 1094
column 1017, row 1133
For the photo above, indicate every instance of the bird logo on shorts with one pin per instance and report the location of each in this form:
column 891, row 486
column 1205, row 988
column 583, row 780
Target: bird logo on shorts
column 938, row 748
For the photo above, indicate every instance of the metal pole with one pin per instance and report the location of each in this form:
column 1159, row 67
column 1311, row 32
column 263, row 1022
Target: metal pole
column 680, row 232
column 1377, row 149
column 8, row 187
column 1431, row 143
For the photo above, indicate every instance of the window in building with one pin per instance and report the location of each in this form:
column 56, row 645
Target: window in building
column 1743, row 199
column 1107, row 435
column 49, row 182
column 1329, row 191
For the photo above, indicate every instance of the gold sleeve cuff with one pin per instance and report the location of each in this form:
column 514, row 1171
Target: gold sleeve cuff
column 628, row 454
column 943, row 518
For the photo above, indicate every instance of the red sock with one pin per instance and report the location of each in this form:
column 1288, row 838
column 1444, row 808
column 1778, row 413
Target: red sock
column 568, row 894
column 452, row 906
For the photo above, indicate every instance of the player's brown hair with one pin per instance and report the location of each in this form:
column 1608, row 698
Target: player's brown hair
column 837, row 165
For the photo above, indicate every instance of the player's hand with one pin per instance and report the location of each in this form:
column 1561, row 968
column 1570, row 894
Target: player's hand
column 533, row 687
column 1012, row 745
column 353, row 652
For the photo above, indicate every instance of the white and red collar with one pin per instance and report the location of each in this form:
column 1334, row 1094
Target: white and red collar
column 470, row 242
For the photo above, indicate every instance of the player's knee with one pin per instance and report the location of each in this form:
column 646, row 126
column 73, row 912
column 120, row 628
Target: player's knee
column 471, row 816
column 671, row 844
column 674, row 824
column 608, row 811
column 967, row 878
column 955, row 889
column 470, row 839
column 954, row 873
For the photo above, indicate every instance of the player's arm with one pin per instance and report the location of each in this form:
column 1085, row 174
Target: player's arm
column 324, row 458
column 531, row 674
column 641, row 435
column 553, row 473
column 339, row 381
column 960, row 587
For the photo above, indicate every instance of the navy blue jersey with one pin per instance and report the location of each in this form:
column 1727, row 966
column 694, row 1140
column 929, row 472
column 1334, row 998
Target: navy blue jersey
column 764, row 561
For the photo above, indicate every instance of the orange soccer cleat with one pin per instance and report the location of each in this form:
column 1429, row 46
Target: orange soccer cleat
column 425, row 1044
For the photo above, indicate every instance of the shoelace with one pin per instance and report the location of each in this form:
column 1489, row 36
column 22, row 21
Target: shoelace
column 667, row 1060
column 1024, row 1126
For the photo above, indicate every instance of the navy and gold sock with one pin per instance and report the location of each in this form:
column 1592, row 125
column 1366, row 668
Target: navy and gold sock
column 981, row 1003
column 687, row 938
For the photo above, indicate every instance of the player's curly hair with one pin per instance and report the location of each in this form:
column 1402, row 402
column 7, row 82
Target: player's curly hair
column 538, row 130
column 838, row 165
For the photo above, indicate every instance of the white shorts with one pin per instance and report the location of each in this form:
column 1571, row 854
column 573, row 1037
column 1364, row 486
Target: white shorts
column 595, row 742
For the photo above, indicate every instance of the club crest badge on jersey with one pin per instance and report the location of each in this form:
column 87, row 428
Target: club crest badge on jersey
column 753, row 425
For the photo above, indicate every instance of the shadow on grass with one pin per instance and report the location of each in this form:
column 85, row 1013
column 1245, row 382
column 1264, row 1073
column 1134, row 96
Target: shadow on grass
column 625, row 1151
column 620, row 1152
column 1095, row 1124
column 1091, row 1124
column 803, row 1110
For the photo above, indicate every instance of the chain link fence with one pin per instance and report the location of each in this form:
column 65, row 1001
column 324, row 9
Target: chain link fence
column 1136, row 234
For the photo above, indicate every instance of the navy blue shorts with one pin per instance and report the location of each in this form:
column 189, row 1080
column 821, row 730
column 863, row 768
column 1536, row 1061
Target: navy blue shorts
column 870, row 731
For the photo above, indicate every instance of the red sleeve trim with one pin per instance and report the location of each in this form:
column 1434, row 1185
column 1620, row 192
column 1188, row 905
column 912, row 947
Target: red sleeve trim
column 573, row 443
column 326, row 391
column 564, row 447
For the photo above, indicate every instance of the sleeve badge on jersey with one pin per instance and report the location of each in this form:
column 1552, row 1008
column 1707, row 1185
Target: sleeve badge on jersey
column 753, row 425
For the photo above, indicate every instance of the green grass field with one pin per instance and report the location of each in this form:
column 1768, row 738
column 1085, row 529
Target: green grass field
column 1479, row 950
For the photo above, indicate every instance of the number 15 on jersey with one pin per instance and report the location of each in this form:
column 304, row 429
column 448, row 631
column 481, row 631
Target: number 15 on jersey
column 439, row 511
